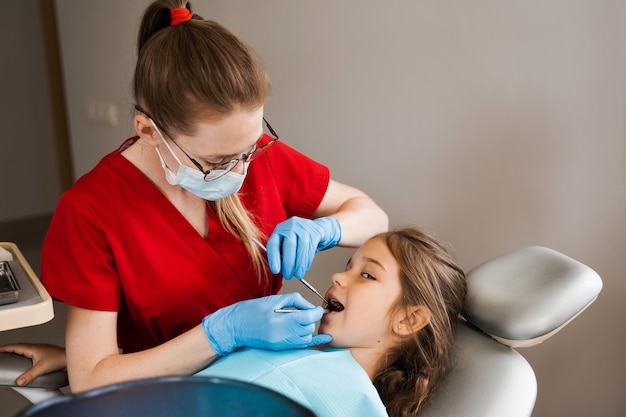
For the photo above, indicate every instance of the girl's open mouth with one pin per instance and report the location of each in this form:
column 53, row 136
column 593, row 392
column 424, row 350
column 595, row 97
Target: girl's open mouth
column 334, row 305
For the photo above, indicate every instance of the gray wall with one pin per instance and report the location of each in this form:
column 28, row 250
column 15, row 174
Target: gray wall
column 495, row 124
column 29, row 177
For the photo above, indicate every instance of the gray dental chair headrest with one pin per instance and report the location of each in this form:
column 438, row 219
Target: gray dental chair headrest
column 523, row 297
column 519, row 299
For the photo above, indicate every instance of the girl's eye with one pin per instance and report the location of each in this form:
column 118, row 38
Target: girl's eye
column 368, row 276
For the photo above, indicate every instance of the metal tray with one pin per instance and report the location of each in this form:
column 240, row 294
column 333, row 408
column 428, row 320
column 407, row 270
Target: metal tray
column 9, row 288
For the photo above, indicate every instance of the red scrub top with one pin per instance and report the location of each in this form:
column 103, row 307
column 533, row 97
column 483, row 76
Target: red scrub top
column 116, row 243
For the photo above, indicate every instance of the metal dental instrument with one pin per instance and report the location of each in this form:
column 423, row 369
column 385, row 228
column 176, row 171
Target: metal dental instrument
column 285, row 310
column 309, row 286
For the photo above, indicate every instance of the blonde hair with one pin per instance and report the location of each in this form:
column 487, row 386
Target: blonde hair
column 199, row 70
column 429, row 277
column 238, row 222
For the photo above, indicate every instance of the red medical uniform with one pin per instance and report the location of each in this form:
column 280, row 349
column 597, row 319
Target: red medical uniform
column 116, row 243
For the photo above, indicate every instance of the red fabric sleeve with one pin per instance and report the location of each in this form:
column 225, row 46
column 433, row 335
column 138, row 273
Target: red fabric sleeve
column 283, row 183
column 76, row 248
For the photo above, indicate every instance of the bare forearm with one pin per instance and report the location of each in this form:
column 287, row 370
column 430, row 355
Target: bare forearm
column 184, row 355
column 359, row 216
column 360, row 219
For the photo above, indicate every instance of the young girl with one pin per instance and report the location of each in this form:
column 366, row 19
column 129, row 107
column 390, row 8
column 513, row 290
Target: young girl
column 401, row 295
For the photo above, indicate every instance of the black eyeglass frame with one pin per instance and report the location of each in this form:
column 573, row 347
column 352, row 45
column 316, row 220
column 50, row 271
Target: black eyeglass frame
column 227, row 166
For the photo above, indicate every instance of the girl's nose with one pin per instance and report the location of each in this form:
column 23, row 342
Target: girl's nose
column 339, row 279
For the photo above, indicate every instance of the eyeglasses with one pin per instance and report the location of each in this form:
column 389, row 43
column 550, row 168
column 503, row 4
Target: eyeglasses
column 219, row 170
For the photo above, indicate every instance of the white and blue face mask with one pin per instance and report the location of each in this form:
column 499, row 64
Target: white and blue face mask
column 193, row 181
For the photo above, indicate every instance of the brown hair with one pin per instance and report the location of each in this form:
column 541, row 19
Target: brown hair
column 199, row 70
column 429, row 277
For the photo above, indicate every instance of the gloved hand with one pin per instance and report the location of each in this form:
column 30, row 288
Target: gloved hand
column 294, row 242
column 254, row 323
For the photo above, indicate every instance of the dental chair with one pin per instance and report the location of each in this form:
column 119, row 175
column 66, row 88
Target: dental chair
column 515, row 300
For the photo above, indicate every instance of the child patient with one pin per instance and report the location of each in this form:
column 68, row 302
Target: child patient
column 401, row 294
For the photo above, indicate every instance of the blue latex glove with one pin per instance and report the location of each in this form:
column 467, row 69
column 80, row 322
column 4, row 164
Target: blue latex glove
column 294, row 243
column 254, row 323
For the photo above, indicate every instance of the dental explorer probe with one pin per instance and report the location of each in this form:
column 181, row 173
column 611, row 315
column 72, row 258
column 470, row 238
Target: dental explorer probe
column 309, row 286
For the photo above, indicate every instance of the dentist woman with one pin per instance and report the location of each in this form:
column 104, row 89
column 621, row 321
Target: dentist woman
column 153, row 249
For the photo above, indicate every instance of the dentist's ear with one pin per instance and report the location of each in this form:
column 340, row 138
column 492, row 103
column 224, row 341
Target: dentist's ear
column 412, row 320
column 145, row 129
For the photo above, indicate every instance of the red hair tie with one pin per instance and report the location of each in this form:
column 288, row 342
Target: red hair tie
column 180, row 15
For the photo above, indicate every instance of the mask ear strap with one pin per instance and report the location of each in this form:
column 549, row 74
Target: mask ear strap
column 163, row 164
column 165, row 142
column 245, row 167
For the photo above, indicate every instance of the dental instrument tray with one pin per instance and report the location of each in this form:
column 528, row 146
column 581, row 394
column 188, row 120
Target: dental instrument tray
column 9, row 288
